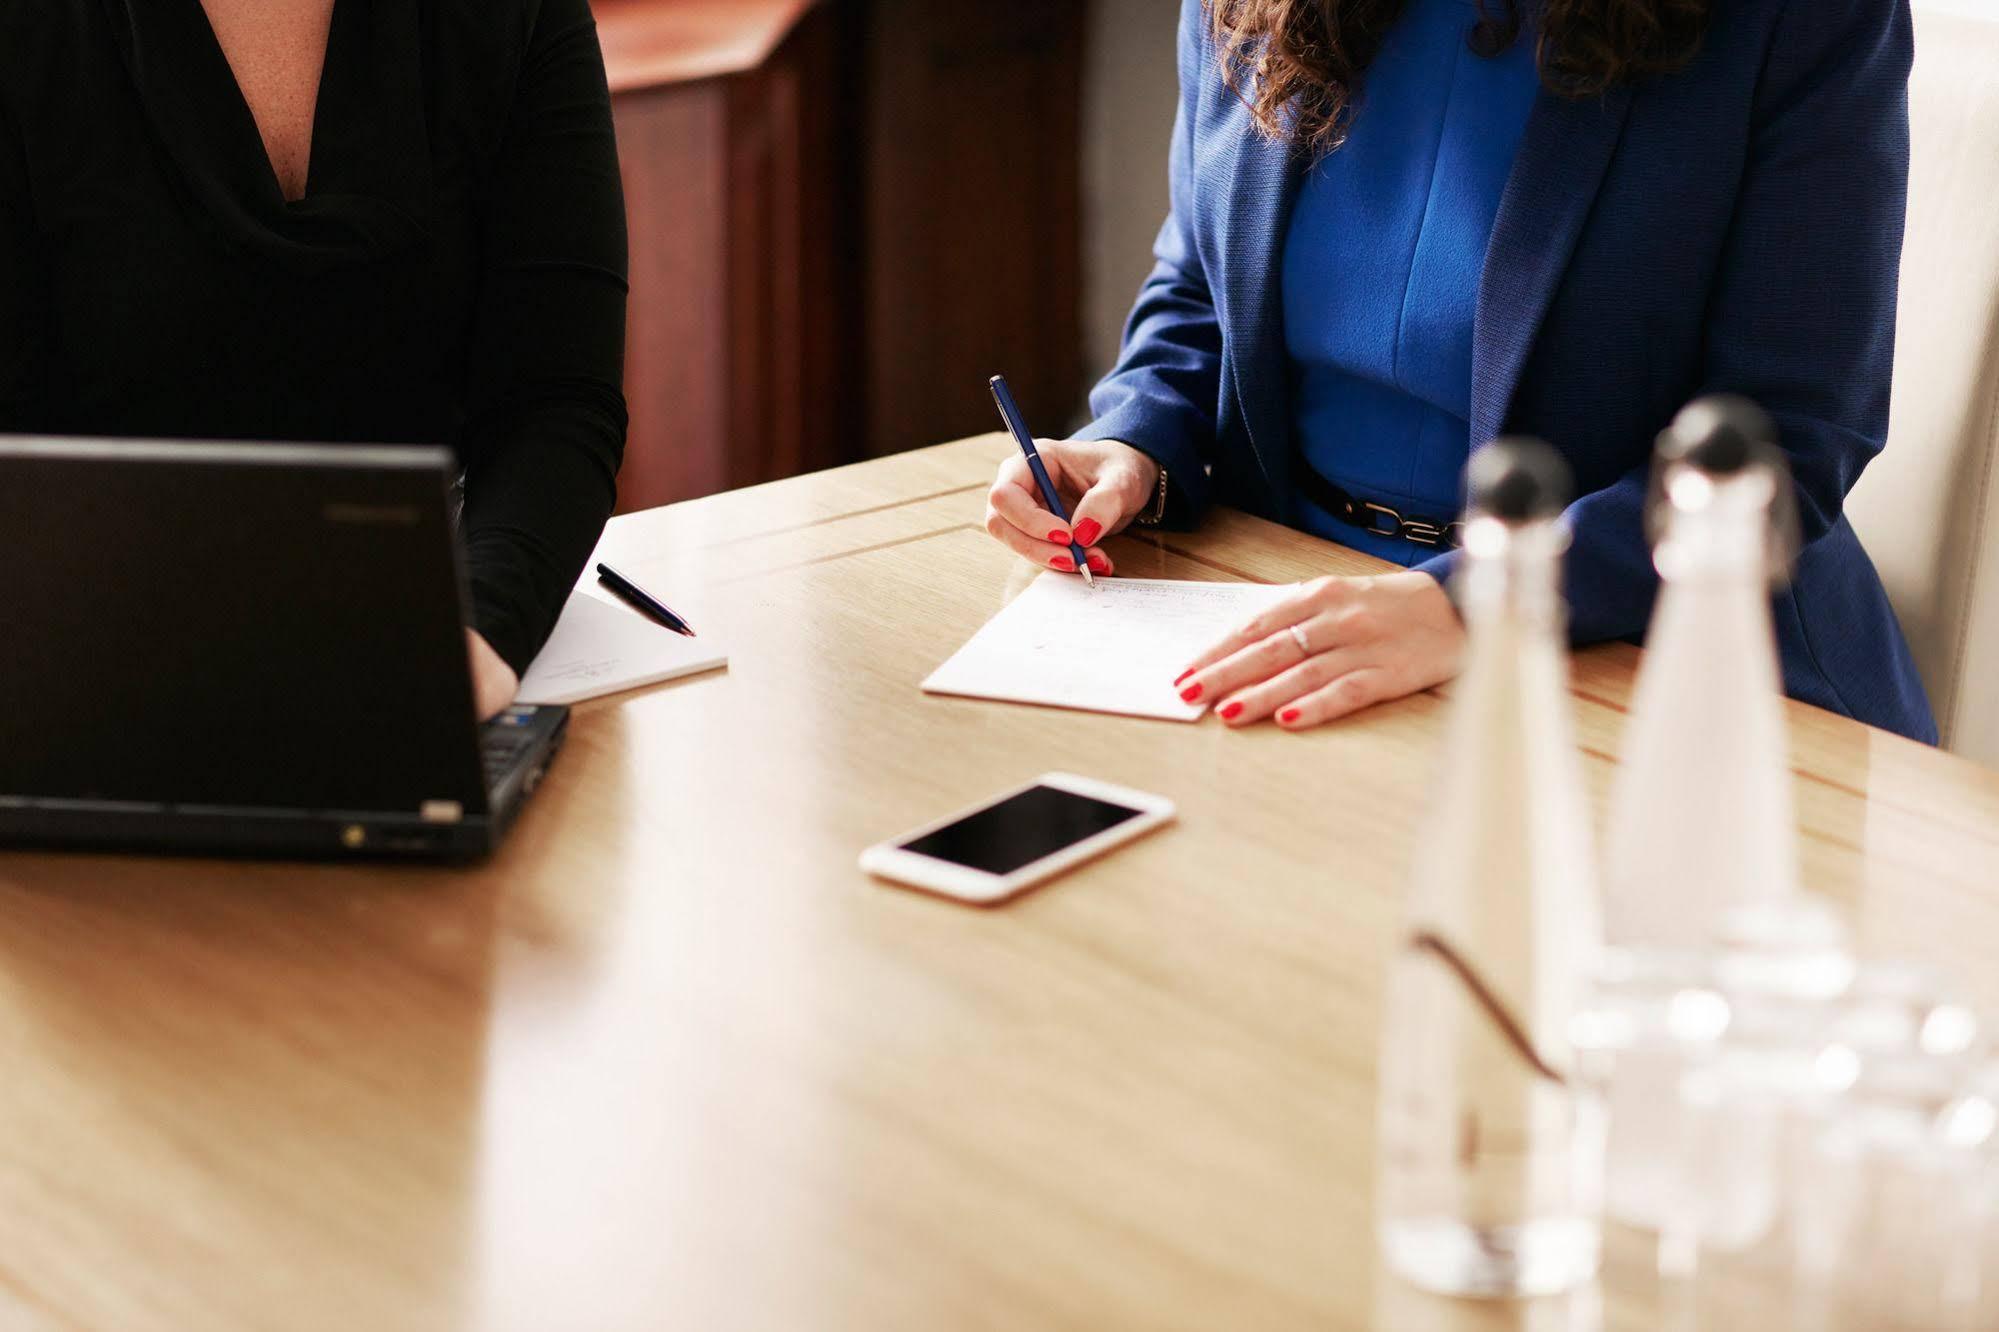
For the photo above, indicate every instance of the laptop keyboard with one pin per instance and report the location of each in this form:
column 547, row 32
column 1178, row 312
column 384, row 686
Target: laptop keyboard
column 502, row 742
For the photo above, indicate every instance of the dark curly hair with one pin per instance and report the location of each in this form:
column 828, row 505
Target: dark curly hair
column 1298, row 63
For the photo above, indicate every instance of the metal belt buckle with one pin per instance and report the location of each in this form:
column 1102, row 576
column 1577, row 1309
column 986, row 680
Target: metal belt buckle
column 1374, row 513
column 1424, row 532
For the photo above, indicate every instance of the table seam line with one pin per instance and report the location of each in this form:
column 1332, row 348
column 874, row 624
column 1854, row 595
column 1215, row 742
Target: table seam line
column 842, row 517
column 848, row 554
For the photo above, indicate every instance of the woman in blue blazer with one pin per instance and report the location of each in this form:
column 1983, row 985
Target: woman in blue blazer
column 1400, row 228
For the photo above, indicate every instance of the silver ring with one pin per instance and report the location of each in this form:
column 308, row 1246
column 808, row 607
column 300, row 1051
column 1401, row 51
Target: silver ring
column 1298, row 637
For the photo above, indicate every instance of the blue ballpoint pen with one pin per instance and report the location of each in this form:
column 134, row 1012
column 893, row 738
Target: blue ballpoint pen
column 1010, row 413
column 641, row 600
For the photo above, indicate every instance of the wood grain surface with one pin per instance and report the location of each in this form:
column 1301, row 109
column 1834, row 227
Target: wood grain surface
column 671, row 1061
column 648, row 43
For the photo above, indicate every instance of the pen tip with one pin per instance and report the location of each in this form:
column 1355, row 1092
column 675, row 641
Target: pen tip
column 1088, row 581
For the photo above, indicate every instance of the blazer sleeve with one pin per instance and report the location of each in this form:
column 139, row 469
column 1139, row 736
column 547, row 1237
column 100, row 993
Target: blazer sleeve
column 1163, row 395
column 546, row 432
column 1802, row 314
column 25, row 321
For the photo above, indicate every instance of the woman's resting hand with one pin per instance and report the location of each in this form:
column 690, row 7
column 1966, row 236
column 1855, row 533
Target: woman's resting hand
column 1365, row 641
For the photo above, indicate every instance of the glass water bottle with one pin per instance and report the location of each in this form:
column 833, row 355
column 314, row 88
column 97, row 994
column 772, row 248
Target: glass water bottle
column 1701, row 855
column 1491, row 1150
column 1701, row 820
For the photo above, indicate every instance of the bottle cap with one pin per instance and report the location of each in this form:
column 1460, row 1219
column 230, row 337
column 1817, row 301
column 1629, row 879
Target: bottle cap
column 1518, row 479
column 1725, row 436
column 1721, row 434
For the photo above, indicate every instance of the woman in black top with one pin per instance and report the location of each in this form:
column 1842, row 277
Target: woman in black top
column 213, row 229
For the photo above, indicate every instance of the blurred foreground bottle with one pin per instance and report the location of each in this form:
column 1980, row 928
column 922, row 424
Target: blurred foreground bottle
column 1491, row 1153
column 1701, row 855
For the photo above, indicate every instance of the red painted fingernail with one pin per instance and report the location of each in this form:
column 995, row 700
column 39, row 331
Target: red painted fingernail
column 1289, row 715
column 1059, row 537
column 1098, row 564
column 1231, row 712
column 1192, row 692
column 1064, row 563
column 1181, row 678
column 1088, row 531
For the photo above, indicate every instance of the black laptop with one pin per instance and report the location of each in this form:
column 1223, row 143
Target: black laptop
column 245, row 648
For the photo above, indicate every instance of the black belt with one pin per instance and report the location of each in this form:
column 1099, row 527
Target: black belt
column 1369, row 516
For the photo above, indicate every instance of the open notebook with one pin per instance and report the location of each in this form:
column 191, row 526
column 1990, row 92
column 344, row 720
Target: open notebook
column 1114, row 649
column 599, row 649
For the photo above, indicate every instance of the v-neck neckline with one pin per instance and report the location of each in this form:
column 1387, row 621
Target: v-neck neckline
column 319, row 100
column 369, row 189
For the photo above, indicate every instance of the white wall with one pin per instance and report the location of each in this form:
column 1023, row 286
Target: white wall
column 1130, row 90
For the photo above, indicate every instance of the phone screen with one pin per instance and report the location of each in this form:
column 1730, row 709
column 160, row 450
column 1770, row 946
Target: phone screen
column 1021, row 829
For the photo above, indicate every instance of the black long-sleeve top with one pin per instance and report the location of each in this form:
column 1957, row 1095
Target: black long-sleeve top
column 455, row 273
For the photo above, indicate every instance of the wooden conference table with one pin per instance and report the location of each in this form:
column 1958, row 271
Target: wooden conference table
column 670, row 1061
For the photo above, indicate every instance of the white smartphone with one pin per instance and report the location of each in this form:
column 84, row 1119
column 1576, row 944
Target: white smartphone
column 1025, row 837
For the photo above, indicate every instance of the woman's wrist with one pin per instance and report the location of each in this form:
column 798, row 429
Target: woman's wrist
column 1147, row 479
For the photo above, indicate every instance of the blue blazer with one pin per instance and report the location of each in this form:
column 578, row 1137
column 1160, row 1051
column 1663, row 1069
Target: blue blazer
column 1734, row 227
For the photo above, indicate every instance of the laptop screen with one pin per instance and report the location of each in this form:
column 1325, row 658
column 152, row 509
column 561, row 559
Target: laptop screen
column 238, row 626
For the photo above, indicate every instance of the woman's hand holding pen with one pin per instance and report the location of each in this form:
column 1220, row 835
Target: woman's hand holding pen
column 1104, row 483
column 1339, row 645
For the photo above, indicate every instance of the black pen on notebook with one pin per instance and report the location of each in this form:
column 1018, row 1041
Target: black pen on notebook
column 1009, row 412
column 641, row 600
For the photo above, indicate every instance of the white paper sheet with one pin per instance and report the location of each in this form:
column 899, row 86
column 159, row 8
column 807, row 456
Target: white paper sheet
column 1114, row 649
column 599, row 649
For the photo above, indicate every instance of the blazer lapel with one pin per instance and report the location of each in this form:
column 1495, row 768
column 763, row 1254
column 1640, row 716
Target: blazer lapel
column 1563, row 156
column 1254, row 217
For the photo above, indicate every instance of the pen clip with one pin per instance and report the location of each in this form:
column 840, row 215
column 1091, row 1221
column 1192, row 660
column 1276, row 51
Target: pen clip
column 1009, row 411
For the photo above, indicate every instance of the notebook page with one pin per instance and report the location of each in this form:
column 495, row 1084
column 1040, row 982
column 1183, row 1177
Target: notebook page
column 1114, row 649
column 599, row 649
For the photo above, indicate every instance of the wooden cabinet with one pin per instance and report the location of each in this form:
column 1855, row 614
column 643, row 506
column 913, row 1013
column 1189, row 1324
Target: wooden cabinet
column 733, row 193
column 845, row 215
column 973, row 245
